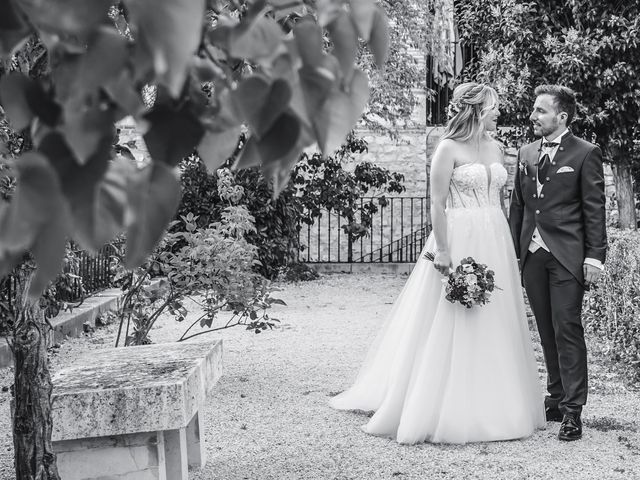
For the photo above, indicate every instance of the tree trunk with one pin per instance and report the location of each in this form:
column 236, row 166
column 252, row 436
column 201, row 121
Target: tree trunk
column 32, row 424
column 624, row 194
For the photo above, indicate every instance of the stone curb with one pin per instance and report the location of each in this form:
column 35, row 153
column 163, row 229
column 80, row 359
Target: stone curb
column 384, row 267
column 70, row 323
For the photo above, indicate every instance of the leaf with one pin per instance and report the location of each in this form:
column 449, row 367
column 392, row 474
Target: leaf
column 249, row 156
column 327, row 11
column 171, row 31
column 23, row 98
column 85, row 129
column 35, row 219
column 122, row 92
column 216, row 147
column 49, row 247
column 340, row 113
column 102, row 215
column 173, row 133
column 259, row 103
column 379, row 41
column 345, row 42
column 363, row 13
column 154, row 196
column 28, row 210
column 273, row 146
column 308, row 40
column 79, row 185
column 102, row 62
column 283, row 8
column 316, row 88
column 13, row 30
column 260, row 40
column 66, row 16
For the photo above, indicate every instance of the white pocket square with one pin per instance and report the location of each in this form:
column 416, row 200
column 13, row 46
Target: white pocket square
column 565, row 170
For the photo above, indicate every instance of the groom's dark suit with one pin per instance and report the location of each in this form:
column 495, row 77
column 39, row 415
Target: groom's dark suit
column 569, row 213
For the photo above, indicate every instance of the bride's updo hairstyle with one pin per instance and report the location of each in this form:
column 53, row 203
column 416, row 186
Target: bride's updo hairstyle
column 469, row 105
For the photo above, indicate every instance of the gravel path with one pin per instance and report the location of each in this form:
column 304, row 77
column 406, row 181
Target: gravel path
column 268, row 417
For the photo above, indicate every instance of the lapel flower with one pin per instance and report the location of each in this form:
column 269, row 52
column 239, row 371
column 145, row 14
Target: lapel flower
column 523, row 168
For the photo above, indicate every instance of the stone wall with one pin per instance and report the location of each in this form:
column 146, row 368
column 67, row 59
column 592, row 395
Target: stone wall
column 409, row 154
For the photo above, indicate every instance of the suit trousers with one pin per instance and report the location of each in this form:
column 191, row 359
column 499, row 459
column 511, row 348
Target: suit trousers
column 555, row 297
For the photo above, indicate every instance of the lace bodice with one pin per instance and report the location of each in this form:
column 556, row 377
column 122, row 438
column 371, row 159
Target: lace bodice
column 476, row 185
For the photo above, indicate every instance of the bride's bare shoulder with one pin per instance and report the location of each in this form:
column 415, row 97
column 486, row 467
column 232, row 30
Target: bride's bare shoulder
column 448, row 145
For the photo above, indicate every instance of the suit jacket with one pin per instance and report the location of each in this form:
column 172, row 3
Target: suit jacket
column 570, row 209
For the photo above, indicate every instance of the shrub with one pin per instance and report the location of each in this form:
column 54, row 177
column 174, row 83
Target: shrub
column 317, row 184
column 612, row 307
column 211, row 265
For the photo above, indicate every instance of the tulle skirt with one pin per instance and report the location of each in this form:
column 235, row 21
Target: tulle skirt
column 442, row 373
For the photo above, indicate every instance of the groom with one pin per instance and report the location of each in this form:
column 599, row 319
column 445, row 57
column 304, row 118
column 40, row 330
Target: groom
column 557, row 220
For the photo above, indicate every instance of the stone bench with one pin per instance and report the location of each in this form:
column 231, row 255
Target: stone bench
column 134, row 413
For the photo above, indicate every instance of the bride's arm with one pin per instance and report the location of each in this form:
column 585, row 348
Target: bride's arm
column 442, row 165
column 503, row 189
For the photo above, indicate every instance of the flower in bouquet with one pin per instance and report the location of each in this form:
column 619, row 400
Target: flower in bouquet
column 471, row 283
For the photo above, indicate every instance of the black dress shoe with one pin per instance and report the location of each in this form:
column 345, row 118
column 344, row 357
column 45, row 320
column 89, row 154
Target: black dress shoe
column 553, row 414
column 571, row 427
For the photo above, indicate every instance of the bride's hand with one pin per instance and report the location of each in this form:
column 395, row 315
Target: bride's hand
column 442, row 262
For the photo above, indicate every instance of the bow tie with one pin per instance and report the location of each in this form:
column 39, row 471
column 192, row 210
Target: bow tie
column 550, row 144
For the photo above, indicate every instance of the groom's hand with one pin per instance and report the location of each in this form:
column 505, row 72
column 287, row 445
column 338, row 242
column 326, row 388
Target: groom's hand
column 591, row 274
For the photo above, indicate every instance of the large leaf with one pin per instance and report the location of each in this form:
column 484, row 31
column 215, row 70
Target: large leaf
column 85, row 128
column 13, row 30
column 216, row 147
column 80, row 185
column 103, row 61
column 259, row 40
column 172, row 134
column 29, row 206
column 308, row 40
column 261, row 103
column 122, row 92
column 66, row 16
column 363, row 13
column 23, row 98
column 102, row 216
column 316, row 88
column 345, row 42
column 275, row 145
column 340, row 113
column 327, row 11
column 154, row 196
column 34, row 219
column 171, row 31
column 379, row 41
column 49, row 247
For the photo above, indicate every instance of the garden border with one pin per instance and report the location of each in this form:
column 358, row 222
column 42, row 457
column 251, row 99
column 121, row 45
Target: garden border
column 71, row 323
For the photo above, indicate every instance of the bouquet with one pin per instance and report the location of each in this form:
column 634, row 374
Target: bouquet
column 471, row 283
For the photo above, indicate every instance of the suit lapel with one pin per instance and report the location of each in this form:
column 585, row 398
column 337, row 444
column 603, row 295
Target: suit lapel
column 562, row 152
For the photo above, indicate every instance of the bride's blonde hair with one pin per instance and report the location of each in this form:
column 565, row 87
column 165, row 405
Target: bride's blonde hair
column 470, row 103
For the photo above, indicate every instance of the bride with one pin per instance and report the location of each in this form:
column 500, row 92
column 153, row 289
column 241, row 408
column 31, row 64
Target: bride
column 437, row 371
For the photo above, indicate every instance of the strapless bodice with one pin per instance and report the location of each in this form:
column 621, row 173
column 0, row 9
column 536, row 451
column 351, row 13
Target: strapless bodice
column 476, row 185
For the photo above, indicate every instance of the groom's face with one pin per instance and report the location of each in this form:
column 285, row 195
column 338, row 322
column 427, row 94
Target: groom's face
column 545, row 117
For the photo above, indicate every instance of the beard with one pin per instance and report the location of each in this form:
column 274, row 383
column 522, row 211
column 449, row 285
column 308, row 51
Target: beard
column 546, row 131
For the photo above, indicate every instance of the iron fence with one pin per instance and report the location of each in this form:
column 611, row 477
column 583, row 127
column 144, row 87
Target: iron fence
column 93, row 272
column 398, row 233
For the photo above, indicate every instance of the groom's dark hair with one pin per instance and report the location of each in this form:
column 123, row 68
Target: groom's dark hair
column 565, row 98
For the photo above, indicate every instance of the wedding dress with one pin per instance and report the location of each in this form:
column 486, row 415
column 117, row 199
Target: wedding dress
column 442, row 373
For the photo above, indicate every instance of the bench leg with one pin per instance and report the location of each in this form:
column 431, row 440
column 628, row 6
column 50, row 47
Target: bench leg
column 195, row 442
column 138, row 456
column 175, row 454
